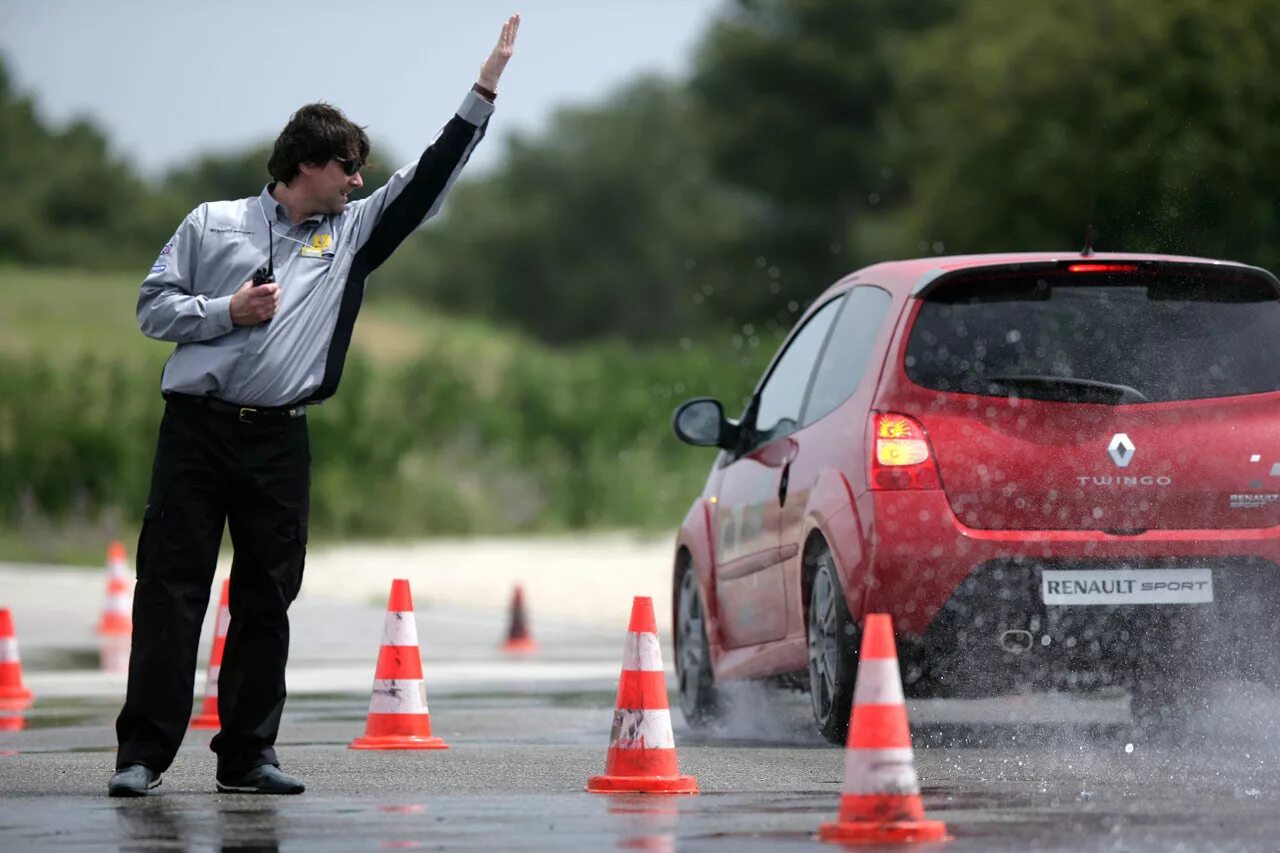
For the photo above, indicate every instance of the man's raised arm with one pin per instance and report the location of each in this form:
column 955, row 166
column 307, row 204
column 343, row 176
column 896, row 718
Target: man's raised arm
column 414, row 194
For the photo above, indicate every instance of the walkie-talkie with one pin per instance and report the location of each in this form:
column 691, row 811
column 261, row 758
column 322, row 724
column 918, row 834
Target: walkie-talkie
column 267, row 274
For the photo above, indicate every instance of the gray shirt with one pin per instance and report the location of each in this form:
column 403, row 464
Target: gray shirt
column 320, row 263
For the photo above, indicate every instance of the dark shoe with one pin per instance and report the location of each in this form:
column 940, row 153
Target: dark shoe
column 133, row 781
column 267, row 779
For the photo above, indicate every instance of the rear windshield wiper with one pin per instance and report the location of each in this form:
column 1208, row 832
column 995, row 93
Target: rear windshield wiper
column 1069, row 381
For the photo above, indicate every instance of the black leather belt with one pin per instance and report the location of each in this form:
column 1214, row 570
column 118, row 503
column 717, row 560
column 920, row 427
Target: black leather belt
column 245, row 414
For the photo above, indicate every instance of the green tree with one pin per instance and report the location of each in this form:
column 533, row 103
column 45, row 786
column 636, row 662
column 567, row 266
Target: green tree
column 793, row 99
column 606, row 224
column 1015, row 118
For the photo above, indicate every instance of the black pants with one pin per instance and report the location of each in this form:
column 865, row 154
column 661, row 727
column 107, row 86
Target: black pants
column 210, row 470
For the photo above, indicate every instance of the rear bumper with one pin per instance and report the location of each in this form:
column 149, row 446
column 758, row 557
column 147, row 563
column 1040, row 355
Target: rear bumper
column 955, row 591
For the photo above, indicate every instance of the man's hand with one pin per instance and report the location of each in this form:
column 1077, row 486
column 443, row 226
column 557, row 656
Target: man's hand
column 252, row 305
column 492, row 68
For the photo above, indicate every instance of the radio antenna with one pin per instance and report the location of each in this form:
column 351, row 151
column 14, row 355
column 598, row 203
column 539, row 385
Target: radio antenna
column 1090, row 236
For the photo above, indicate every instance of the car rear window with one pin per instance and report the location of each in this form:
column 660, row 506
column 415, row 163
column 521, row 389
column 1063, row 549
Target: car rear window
column 1102, row 338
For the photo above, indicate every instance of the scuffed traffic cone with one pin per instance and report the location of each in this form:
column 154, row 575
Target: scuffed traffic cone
column 881, row 798
column 398, row 716
column 642, row 749
column 116, row 610
column 13, row 695
column 208, row 716
column 519, row 641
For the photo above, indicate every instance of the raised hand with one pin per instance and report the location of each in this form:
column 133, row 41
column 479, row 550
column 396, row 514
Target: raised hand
column 491, row 70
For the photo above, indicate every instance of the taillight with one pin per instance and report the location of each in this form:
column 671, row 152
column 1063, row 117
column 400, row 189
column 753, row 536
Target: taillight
column 900, row 457
column 1102, row 268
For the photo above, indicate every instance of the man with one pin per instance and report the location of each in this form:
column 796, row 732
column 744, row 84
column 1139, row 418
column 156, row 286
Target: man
column 260, row 296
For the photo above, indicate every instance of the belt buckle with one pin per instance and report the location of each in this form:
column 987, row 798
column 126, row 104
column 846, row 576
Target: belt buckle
column 246, row 414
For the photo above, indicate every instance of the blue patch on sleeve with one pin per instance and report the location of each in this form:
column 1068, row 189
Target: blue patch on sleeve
column 159, row 268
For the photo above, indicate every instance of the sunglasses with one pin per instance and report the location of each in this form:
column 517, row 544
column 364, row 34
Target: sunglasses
column 349, row 166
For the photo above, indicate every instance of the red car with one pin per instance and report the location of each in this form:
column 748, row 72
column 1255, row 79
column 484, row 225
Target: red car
column 1055, row 471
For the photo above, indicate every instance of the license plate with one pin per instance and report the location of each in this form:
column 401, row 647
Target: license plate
column 1127, row 586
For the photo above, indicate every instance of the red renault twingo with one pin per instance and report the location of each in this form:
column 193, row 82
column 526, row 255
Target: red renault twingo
column 1054, row 471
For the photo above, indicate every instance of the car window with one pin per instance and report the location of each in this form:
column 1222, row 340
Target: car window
column 844, row 361
column 782, row 396
column 1099, row 338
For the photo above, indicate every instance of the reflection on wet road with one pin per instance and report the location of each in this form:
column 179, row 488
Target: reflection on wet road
column 513, row 780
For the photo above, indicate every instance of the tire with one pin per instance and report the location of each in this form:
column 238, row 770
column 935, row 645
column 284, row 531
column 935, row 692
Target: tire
column 833, row 652
column 699, row 700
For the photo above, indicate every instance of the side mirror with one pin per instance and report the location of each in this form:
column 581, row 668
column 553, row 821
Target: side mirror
column 701, row 422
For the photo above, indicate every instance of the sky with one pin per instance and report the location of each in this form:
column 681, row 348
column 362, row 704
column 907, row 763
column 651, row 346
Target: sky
column 170, row 80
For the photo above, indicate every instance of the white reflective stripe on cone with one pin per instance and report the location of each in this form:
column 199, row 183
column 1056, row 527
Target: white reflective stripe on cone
column 398, row 696
column 119, row 604
column 642, row 729
column 400, row 629
column 642, row 653
column 878, row 683
column 211, row 681
column 880, row 771
column 224, row 622
column 9, row 649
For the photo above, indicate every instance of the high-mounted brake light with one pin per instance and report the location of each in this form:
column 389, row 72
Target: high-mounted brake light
column 901, row 458
column 1102, row 268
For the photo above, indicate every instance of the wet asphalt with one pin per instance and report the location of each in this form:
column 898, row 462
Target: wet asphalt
column 1031, row 773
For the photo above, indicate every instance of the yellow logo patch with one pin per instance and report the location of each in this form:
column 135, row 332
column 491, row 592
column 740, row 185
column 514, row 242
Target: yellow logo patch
column 320, row 244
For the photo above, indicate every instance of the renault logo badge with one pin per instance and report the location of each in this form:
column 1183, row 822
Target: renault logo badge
column 1121, row 450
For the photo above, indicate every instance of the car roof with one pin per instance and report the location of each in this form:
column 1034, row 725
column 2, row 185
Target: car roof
column 914, row 274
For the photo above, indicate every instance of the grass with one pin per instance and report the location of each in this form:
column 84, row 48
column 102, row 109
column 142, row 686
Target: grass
column 445, row 425
column 61, row 315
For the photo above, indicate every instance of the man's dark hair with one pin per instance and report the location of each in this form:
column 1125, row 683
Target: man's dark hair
column 315, row 134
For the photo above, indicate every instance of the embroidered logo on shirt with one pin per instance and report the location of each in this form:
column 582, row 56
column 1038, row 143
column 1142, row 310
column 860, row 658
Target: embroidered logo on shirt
column 168, row 247
column 229, row 231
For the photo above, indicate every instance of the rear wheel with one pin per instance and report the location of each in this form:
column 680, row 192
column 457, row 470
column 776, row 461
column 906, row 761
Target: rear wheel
column 833, row 652
column 698, row 698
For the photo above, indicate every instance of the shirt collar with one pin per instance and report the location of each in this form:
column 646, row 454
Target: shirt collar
column 269, row 204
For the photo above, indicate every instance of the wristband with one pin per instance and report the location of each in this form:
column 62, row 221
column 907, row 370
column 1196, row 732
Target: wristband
column 488, row 94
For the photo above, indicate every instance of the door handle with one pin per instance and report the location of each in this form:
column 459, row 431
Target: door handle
column 783, row 483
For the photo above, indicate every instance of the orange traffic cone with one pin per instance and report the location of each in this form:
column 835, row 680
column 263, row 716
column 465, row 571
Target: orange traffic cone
column 13, row 695
column 881, row 798
column 208, row 716
column 398, row 716
column 116, row 618
column 519, row 641
column 642, row 749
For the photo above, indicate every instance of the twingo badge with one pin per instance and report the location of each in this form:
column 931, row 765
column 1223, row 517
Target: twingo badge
column 320, row 244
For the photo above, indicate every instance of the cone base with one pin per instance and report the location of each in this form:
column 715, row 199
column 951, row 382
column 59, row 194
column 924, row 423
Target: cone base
column 397, row 742
column 520, row 646
column 642, row 785
column 871, row 832
column 206, row 721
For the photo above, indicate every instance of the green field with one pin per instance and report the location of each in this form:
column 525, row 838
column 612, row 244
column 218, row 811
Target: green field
column 62, row 315
column 441, row 426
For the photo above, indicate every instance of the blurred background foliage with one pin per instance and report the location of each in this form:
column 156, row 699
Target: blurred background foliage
column 652, row 246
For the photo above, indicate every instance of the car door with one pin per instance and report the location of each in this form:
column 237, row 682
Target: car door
column 749, row 582
column 846, row 374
